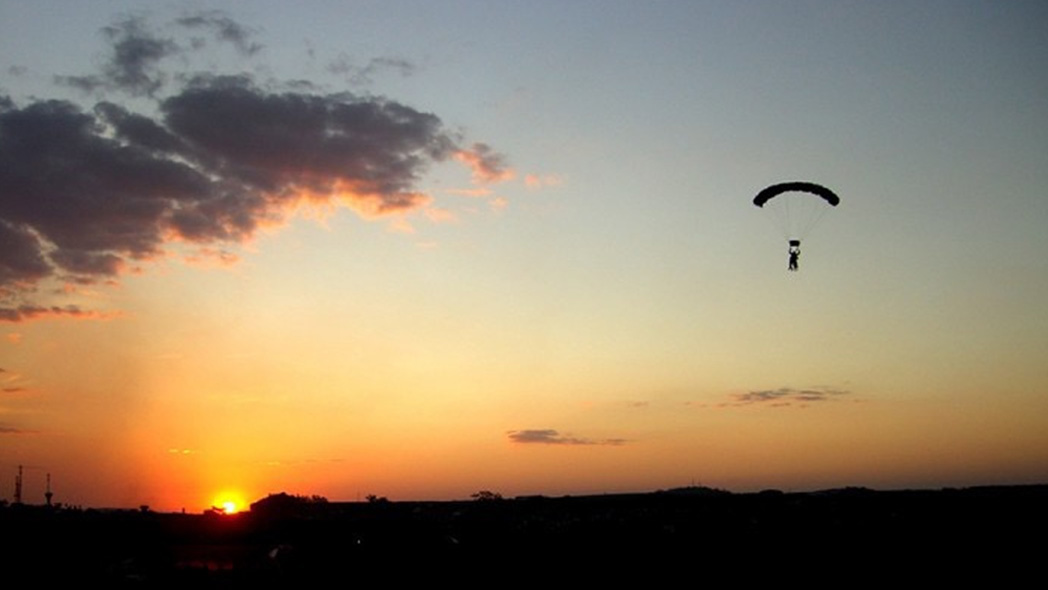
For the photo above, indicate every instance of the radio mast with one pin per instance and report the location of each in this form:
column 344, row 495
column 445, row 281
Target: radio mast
column 18, row 486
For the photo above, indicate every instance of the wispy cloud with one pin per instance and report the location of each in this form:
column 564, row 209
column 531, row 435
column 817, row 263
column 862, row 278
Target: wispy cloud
column 31, row 312
column 136, row 51
column 440, row 215
column 488, row 166
column 89, row 194
column 133, row 62
column 499, row 204
column 223, row 29
column 478, row 192
column 345, row 66
column 211, row 257
column 13, row 382
column 553, row 437
column 785, row 396
column 537, row 181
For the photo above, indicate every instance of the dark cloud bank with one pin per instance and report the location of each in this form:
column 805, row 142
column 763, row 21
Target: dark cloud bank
column 87, row 193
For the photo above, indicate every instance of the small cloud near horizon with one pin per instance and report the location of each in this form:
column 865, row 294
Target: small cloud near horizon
column 549, row 436
column 786, row 396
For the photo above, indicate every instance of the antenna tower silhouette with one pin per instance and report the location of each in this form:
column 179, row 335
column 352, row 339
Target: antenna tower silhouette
column 18, row 486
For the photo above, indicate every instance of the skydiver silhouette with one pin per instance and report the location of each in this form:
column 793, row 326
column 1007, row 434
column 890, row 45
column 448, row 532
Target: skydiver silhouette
column 795, row 254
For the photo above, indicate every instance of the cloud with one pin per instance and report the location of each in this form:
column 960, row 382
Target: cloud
column 440, row 215
column 536, row 181
column 20, row 256
column 269, row 146
column 787, row 395
column 476, row 192
column 136, row 52
column 344, row 66
column 89, row 194
column 11, row 382
column 224, row 29
column 132, row 65
column 29, row 312
column 5, row 429
column 552, row 437
column 206, row 257
column 499, row 204
column 399, row 224
column 487, row 165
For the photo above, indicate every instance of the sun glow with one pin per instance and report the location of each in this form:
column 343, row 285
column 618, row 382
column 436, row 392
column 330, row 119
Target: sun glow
column 229, row 502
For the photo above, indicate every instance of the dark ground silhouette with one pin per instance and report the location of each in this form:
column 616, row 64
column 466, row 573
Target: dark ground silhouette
column 658, row 539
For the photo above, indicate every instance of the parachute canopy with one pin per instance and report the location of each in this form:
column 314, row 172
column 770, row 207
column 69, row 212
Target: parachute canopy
column 803, row 187
column 796, row 207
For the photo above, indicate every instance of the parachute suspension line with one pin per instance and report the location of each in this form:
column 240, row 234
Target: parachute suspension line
column 777, row 220
column 812, row 221
column 789, row 218
column 785, row 215
column 779, row 217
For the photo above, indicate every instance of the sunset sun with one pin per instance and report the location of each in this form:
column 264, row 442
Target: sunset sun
column 229, row 502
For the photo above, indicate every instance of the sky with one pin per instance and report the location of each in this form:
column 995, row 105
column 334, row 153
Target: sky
column 418, row 250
